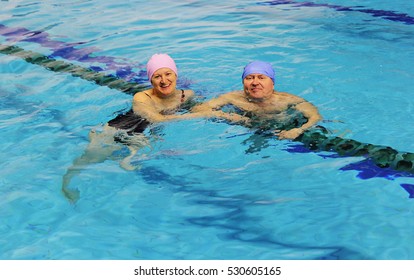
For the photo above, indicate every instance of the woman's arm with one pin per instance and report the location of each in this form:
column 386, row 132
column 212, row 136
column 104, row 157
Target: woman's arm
column 144, row 106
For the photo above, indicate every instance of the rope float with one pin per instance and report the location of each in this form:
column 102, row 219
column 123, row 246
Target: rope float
column 382, row 156
column 75, row 70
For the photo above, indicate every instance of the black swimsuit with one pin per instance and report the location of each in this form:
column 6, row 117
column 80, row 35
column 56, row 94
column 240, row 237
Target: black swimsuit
column 130, row 122
column 133, row 123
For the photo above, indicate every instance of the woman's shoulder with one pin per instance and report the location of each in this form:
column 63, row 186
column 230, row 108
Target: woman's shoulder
column 142, row 95
column 188, row 92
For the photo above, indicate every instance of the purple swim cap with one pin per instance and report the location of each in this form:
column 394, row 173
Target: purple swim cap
column 158, row 61
column 259, row 67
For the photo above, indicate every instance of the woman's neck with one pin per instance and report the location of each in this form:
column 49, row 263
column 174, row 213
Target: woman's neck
column 165, row 96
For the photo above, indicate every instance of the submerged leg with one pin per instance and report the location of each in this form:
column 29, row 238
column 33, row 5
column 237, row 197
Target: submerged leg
column 100, row 148
column 126, row 162
column 135, row 143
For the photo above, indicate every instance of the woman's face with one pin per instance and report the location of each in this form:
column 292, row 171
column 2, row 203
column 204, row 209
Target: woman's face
column 258, row 86
column 164, row 81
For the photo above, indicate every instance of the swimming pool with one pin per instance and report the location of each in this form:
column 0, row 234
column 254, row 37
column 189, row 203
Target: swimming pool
column 207, row 190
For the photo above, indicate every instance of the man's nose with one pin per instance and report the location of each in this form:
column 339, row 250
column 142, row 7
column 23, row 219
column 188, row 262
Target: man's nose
column 255, row 80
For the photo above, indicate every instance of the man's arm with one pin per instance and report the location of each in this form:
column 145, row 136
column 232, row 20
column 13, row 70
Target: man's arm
column 213, row 104
column 212, row 107
column 310, row 112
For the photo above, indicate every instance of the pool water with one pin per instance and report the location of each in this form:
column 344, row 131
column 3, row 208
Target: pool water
column 206, row 189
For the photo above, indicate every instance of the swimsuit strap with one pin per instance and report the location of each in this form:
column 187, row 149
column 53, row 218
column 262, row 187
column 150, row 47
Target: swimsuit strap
column 147, row 95
column 182, row 96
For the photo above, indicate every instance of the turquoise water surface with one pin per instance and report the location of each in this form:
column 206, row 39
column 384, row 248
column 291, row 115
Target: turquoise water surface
column 205, row 189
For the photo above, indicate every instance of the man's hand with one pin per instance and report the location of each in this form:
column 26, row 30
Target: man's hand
column 289, row 134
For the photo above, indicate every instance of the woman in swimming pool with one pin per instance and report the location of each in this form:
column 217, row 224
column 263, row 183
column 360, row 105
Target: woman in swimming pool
column 157, row 104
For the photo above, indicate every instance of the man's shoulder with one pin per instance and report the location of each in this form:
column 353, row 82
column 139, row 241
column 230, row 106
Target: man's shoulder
column 290, row 96
column 233, row 94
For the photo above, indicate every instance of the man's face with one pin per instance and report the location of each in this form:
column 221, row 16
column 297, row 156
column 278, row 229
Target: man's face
column 258, row 86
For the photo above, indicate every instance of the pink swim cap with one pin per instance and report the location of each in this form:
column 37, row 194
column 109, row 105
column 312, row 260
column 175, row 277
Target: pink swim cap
column 158, row 61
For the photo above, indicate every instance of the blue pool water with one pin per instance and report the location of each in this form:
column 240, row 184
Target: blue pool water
column 207, row 190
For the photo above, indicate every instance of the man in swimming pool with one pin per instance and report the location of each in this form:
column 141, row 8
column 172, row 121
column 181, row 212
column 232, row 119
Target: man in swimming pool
column 160, row 103
column 260, row 101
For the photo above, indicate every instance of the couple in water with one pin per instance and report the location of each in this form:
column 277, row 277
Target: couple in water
column 256, row 106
